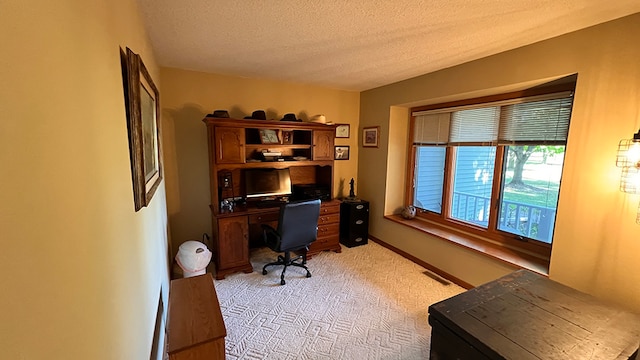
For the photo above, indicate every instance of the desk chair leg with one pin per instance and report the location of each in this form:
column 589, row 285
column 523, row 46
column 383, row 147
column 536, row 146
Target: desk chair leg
column 279, row 262
column 282, row 282
column 287, row 261
column 304, row 267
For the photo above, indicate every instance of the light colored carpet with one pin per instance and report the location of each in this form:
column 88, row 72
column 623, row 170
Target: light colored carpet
column 364, row 303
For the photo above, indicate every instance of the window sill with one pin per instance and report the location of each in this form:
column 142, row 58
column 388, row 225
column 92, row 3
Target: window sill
column 494, row 251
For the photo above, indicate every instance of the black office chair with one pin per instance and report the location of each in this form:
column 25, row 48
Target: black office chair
column 297, row 229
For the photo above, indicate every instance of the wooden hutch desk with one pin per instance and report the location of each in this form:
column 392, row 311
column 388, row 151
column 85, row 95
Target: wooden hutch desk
column 236, row 145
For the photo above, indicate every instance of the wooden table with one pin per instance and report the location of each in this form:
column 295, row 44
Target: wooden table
column 195, row 327
column 525, row 316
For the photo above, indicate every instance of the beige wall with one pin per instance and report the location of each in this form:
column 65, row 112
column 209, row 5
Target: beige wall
column 81, row 271
column 188, row 96
column 597, row 242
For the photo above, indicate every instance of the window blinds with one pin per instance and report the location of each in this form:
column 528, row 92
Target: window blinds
column 431, row 129
column 476, row 126
column 544, row 121
column 539, row 119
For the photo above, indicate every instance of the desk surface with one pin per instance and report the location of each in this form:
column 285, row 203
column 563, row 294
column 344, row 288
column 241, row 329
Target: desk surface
column 253, row 210
column 526, row 316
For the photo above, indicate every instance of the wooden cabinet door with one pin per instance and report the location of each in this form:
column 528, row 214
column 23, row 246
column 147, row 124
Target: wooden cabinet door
column 233, row 242
column 229, row 145
column 323, row 144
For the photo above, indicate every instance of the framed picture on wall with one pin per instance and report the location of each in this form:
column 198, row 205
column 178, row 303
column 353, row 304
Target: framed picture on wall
column 342, row 131
column 341, row 152
column 144, row 130
column 370, row 136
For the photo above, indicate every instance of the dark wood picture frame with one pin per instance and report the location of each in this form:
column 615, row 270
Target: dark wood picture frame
column 287, row 137
column 341, row 152
column 143, row 105
column 370, row 136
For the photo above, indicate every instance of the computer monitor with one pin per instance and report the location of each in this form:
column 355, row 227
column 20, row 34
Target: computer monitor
column 260, row 183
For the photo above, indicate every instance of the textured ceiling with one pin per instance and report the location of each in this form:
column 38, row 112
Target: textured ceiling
column 355, row 45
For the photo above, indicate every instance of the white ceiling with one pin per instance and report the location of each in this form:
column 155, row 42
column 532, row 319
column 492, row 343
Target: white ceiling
column 359, row 44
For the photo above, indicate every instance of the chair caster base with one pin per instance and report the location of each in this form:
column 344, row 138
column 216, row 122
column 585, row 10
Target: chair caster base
column 286, row 261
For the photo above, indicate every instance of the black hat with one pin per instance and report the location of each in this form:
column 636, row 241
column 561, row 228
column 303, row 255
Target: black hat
column 219, row 114
column 258, row 115
column 290, row 117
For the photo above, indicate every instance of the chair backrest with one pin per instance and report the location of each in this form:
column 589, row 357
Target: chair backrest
column 298, row 224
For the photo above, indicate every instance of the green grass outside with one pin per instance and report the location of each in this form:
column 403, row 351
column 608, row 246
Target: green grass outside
column 539, row 192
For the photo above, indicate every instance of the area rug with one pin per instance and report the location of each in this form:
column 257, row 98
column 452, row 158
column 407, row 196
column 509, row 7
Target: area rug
column 364, row 303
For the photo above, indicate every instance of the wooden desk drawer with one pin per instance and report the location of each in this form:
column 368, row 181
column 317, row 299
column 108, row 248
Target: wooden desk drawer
column 328, row 229
column 264, row 217
column 324, row 242
column 329, row 208
column 329, row 219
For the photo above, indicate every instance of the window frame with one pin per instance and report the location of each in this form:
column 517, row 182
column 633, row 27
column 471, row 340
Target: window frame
column 491, row 234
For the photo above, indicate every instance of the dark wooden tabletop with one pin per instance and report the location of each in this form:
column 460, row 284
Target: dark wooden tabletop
column 526, row 316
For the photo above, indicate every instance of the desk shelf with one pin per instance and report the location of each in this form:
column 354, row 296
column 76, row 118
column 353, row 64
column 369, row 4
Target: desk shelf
column 276, row 164
column 278, row 146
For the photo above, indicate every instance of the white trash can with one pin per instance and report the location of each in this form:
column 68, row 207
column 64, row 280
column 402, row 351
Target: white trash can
column 193, row 257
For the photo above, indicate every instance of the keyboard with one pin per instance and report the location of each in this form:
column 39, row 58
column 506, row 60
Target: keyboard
column 269, row 203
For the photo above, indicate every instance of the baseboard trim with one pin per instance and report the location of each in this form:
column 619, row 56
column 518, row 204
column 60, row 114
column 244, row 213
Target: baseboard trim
column 424, row 264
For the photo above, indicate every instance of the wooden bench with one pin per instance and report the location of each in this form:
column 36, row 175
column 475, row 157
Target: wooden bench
column 195, row 328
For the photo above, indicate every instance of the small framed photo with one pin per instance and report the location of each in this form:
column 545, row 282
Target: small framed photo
column 287, row 137
column 269, row 136
column 370, row 136
column 341, row 152
column 342, row 131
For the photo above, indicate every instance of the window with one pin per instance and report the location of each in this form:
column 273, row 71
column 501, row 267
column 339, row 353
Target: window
column 429, row 178
column 493, row 167
column 472, row 184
